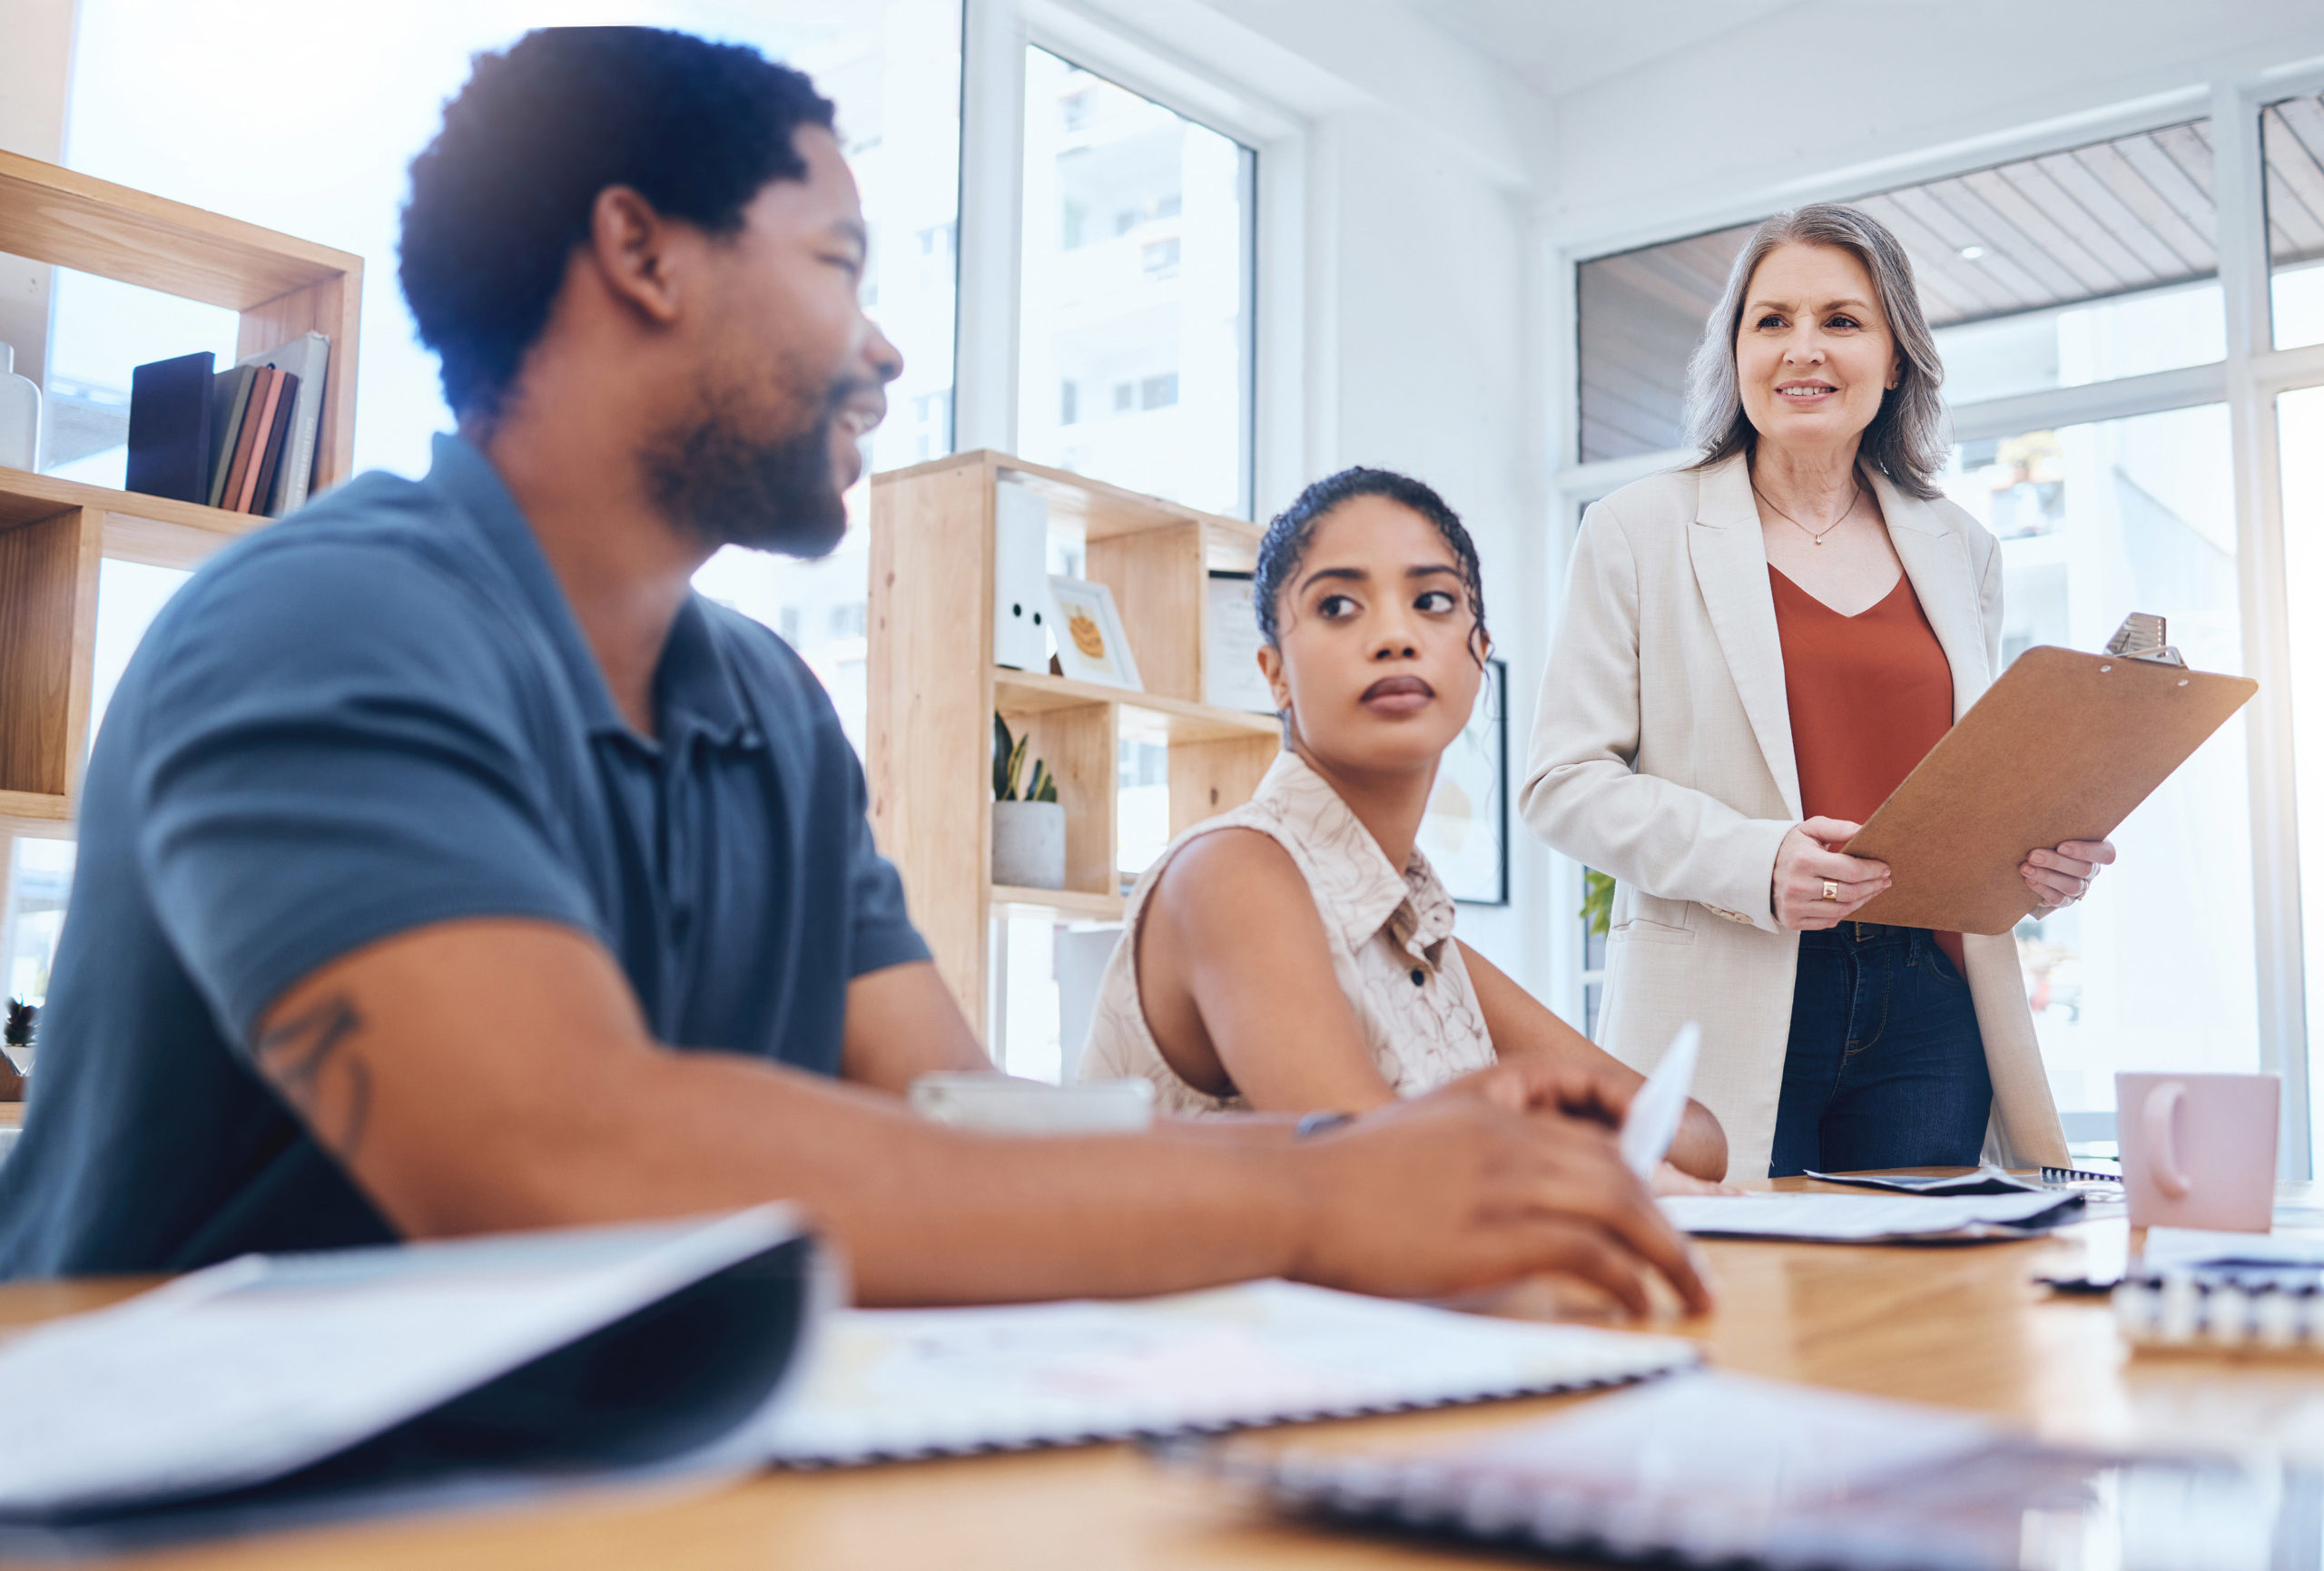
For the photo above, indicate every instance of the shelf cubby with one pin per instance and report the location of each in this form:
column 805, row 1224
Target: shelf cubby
column 933, row 689
column 55, row 533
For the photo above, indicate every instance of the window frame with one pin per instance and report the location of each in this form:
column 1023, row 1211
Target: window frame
column 2248, row 381
column 997, row 33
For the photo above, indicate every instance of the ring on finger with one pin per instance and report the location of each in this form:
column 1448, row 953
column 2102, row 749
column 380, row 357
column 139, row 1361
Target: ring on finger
column 1831, row 889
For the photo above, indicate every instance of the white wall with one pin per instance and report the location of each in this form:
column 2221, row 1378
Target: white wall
column 35, row 64
column 1417, row 327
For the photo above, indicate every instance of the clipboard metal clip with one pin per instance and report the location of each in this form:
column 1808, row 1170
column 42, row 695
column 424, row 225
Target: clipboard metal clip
column 2145, row 636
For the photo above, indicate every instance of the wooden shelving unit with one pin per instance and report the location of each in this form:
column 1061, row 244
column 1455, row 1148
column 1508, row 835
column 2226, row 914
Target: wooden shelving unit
column 933, row 691
column 53, row 532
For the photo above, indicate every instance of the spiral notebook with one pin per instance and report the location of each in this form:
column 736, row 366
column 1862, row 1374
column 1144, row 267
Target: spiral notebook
column 885, row 1384
column 1723, row 1470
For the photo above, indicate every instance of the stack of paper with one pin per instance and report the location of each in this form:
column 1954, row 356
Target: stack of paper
column 1871, row 1218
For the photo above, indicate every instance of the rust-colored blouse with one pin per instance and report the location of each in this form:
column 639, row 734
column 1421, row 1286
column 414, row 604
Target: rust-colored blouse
column 1870, row 694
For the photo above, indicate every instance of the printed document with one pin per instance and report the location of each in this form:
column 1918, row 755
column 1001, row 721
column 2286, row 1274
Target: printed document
column 1870, row 1218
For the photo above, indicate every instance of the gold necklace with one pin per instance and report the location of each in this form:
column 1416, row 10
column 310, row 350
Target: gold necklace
column 1853, row 497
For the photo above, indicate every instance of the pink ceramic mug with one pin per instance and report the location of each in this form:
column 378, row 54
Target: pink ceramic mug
column 2199, row 1150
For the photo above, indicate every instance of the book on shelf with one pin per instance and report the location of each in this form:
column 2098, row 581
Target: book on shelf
column 266, row 454
column 238, row 465
column 306, row 357
column 169, row 427
column 229, row 395
column 241, row 439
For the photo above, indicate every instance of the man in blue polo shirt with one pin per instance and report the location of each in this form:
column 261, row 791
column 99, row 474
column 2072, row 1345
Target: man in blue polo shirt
column 446, row 865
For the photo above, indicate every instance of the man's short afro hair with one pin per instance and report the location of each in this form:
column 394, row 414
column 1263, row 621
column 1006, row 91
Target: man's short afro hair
column 503, row 195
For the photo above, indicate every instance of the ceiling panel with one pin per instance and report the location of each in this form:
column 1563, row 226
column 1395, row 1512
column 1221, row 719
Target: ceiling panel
column 2293, row 133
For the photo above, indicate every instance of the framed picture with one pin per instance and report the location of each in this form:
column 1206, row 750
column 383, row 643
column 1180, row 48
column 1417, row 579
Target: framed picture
column 1230, row 658
column 1465, row 834
column 1091, row 644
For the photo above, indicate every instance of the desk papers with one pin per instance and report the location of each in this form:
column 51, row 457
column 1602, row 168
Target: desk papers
column 1716, row 1469
column 1870, row 1218
column 888, row 1383
column 2182, row 1248
column 1984, row 1181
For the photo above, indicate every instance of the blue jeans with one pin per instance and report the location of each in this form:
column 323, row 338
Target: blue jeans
column 1886, row 1066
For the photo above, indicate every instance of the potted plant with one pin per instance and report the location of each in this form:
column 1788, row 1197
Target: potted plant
column 1028, row 821
column 18, row 1043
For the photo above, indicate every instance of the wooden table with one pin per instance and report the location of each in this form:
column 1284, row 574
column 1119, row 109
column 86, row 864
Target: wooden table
column 1962, row 1326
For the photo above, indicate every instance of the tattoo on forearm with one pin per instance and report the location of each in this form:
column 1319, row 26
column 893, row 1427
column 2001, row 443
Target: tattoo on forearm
column 312, row 1059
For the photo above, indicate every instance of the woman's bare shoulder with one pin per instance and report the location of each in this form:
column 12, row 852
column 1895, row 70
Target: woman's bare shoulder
column 1234, row 883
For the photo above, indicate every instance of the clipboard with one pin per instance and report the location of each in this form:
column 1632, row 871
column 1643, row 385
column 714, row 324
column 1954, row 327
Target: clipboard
column 2062, row 747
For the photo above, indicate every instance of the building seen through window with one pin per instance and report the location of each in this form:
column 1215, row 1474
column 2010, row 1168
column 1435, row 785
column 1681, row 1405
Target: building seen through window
column 1135, row 353
column 2095, row 521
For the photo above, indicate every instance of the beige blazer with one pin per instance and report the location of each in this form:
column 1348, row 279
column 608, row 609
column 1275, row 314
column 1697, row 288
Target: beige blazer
column 1662, row 755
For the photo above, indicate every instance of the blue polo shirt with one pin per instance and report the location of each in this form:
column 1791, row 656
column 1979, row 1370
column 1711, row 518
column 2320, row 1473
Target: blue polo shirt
column 377, row 716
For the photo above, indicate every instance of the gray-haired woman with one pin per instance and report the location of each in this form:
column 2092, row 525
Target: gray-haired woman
column 1756, row 650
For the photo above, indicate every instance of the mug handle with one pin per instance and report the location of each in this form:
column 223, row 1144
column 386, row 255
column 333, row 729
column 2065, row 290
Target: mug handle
column 2157, row 1118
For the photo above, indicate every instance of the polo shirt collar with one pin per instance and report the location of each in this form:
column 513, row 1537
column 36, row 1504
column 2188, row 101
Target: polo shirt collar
column 695, row 687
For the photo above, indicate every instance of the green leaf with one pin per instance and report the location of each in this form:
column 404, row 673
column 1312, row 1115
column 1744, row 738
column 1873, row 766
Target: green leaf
column 1016, row 768
column 1003, row 745
column 1597, row 900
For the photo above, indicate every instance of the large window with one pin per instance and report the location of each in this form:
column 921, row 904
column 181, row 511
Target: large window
column 1134, row 361
column 2299, row 439
column 2155, row 970
column 363, row 98
column 1134, row 366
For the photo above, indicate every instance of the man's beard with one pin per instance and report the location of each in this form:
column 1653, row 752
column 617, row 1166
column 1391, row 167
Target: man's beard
column 729, row 487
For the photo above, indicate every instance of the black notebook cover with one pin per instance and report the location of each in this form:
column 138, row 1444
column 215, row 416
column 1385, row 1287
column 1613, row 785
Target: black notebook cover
column 169, row 427
column 277, row 442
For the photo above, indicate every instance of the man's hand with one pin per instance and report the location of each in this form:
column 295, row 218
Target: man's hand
column 1440, row 1195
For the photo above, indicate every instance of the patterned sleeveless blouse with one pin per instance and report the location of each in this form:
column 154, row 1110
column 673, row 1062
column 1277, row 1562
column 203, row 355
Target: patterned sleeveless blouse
column 1391, row 938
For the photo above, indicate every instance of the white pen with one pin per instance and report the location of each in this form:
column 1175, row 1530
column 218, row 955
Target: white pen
column 1655, row 1112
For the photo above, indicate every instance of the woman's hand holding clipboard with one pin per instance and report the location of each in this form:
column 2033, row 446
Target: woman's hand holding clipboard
column 2061, row 747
